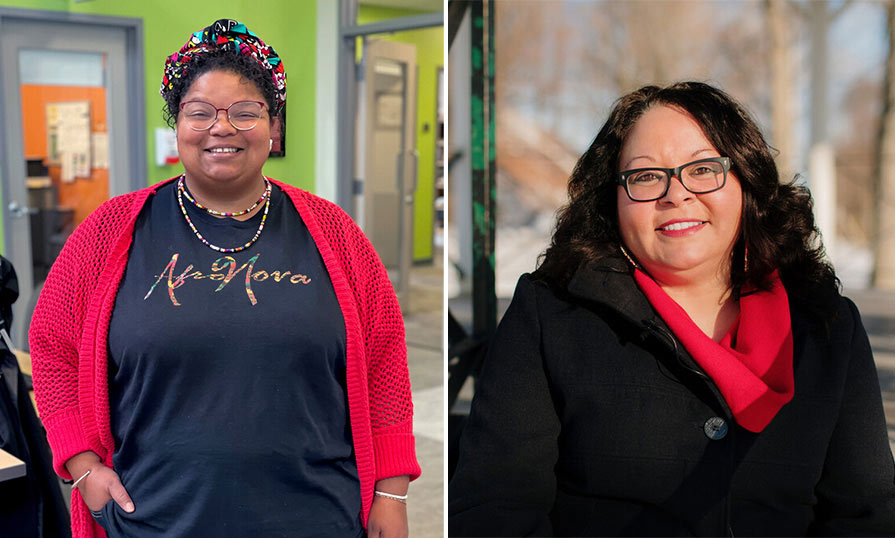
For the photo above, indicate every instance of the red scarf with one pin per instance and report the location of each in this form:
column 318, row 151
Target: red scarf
column 752, row 364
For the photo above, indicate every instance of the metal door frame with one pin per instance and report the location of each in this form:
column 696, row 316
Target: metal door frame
column 135, row 139
column 349, row 30
column 407, row 159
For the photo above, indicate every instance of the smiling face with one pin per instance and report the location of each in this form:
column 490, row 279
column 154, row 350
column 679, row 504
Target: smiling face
column 681, row 236
column 222, row 156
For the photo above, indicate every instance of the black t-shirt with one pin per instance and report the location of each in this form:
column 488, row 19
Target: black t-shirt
column 227, row 381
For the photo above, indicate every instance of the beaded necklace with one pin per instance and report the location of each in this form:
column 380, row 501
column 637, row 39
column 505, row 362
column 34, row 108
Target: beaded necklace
column 181, row 191
column 625, row 252
column 223, row 213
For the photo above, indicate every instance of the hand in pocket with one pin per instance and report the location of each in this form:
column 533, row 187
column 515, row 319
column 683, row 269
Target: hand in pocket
column 103, row 485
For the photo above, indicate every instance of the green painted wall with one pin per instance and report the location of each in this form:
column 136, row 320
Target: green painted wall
column 429, row 43
column 287, row 25
column 168, row 23
column 56, row 5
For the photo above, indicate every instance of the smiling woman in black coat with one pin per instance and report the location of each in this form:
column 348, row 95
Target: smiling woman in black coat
column 681, row 363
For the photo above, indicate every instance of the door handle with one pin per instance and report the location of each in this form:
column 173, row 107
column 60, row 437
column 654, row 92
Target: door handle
column 16, row 210
column 408, row 198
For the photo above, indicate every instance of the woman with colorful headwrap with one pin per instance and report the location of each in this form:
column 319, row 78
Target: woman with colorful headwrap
column 222, row 354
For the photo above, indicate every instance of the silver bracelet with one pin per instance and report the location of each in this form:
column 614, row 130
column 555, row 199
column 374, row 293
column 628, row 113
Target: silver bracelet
column 399, row 498
column 78, row 481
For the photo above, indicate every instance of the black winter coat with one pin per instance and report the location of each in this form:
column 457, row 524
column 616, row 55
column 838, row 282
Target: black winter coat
column 591, row 419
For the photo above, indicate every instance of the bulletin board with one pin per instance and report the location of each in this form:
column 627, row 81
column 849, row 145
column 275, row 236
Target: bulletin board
column 83, row 194
column 68, row 138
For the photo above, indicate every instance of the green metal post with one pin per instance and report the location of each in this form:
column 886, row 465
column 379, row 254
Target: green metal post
column 484, row 180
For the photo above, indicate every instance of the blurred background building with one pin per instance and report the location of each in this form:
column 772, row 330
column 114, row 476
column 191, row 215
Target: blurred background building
column 813, row 73
column 817, row 75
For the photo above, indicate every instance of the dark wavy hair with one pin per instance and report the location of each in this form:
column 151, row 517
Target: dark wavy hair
column 777, row 220
column 219, row 60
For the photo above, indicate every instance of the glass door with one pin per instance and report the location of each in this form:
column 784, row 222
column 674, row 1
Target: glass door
column 389, row 157
column 69, row 120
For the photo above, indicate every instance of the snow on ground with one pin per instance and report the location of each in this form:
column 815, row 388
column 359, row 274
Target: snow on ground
column 853, row 265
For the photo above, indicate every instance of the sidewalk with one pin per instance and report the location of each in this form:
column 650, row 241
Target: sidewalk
column 877, row 309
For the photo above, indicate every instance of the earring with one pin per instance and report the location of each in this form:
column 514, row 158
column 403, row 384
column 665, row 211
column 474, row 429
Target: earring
column 746, row 259
column 628, row 256
column 271, row 145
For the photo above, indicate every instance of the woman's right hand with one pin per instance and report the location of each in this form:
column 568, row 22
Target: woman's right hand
column 101, row 485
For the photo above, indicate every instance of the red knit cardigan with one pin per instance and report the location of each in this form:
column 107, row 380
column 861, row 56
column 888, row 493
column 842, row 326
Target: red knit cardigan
column 70, row 326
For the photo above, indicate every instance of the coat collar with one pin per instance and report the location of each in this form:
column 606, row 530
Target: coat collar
column 610, row 283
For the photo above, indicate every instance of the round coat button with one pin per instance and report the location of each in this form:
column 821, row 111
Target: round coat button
column 715, row 428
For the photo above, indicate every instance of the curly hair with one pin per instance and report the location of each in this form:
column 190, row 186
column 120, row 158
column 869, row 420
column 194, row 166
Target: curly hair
column 777, row 222
column 219, row 60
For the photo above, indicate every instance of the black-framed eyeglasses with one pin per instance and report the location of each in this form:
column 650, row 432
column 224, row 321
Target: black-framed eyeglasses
column 201, row 116
column 699, row 177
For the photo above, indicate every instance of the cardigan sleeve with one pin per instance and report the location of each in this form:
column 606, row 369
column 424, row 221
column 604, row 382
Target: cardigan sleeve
column 54, row 335
column 505, row 484
column 388, row 379
column 385, row 350
column 856, row 492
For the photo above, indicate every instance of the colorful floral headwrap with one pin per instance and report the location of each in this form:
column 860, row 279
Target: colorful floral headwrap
column 231, row 35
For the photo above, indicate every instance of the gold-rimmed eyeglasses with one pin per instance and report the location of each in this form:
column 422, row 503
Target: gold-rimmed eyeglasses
column 699, row 177
column 201, row 116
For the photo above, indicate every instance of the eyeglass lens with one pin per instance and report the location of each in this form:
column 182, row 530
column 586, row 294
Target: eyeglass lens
column 243, row 115
column 697, row 177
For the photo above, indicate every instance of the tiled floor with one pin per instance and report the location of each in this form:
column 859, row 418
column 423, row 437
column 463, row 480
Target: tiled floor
column 423, row 323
